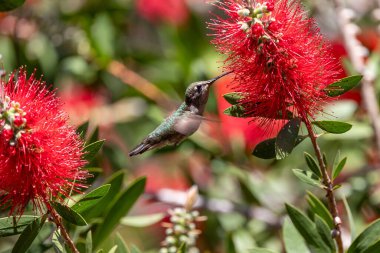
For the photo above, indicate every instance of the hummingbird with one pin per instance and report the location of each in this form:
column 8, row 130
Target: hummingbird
column 181, row 123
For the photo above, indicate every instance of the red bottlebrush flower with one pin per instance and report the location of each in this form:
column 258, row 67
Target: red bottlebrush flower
column 40, row 155
column 278, row 56
column 174, row 12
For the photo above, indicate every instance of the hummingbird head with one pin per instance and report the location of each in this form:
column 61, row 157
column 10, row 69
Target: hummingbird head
column 197, row 93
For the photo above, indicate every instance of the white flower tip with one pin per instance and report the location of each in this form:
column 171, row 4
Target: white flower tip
column 191, row 198
column 337, row 220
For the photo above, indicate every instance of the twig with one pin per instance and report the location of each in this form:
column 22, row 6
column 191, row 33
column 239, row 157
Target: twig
column 139, row 83
column 356, row 54
column 328, row 186
column 58, row 222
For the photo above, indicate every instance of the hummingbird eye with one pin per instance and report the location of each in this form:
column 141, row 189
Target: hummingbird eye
column 199, row 88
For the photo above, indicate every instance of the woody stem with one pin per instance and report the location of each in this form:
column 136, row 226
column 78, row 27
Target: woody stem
column 58, row 222
column 328, row 186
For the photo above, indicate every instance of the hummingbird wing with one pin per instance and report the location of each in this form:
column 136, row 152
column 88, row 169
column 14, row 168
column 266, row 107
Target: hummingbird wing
column 156, row 141
column 165, row 134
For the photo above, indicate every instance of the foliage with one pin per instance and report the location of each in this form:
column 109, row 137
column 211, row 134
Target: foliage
column 119, row 72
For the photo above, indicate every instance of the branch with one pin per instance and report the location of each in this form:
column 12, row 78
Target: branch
column 58, row 222
column 328, row 186
column 140, row 84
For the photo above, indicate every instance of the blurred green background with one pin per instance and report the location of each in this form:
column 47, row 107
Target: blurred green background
column 124, row 65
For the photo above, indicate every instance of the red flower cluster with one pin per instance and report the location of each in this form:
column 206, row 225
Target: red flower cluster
column 40, row 155
column 174, row 12
column 278, row 56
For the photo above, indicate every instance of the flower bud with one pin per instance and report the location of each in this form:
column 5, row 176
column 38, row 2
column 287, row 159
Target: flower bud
column 243, row 12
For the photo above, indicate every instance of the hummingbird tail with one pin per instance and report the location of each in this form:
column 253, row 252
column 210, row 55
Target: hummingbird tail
column 141, row 148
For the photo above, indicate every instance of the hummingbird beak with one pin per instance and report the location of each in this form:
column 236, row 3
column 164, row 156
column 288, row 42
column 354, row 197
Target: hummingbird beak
column 211, row 81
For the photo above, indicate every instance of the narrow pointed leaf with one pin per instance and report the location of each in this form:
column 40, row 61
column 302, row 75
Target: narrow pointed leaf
column 308, row 177
column 116, row 181
column 8, row 5
column 94, row 136
column 267, row 149
column 15, row 225
column 91, row 199
column 58, row 243
column 325, row 233
column 28, row 235
column 134, row 249
column 89, row 242
column 92, row 149
column 234, row 97
column 307, row 229
column 312, row 164
column 121, row 245
column 236, row 111
column 82, row 130
column 120, row 208
column 342, row 86
column 334, row 127
column 113, row 249
column 182, row 248
column 368, row 237
column 318, row 208
column 336, row 171
column 69, row 214
column 351, row 220
column 260, row 250
column 374, row 248
column 292, row 239
column 287, row 138
column 143, row 220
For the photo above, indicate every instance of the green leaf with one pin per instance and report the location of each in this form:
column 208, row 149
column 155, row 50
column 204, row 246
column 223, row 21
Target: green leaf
column 234, row 97
column 334, row 127
column 243, row 240
column 58, row 243
column 113, row 249
column 120, row 208
column 292, row 239
column 8, row 5
column 89, row 242
column 182, row 248
column 368, row 237
column 287, row 138
column 260, row 250
column 134, row 249
column 325, row 233
column 336, row 170
column 307, row 177
column 374, row 248
column 236, row 111
column 92, row 149
column 351, row 220
column 317, row 207
column 116, row 181
column 82, row 130
column 312, row 164
column 69, row 214
column 307, row 230
column 94, row 136
column 143, row 220
column 121, row 245
column 342, row 86
column 28, row 235
column 15, row 225
column 267, row 149
column 91, row 199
